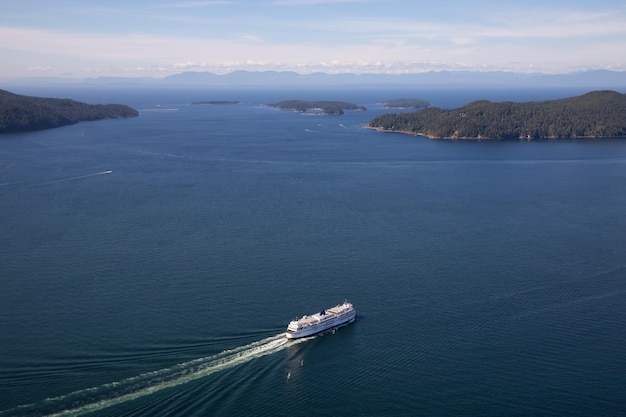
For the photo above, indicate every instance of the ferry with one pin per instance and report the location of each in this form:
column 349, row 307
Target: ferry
column 340, row 315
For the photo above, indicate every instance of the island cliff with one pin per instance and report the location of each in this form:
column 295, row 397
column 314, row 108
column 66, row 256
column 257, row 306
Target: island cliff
column 592, row 115
column 20, row 113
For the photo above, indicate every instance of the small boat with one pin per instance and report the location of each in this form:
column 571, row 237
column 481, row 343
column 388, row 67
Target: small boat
column 331, row 318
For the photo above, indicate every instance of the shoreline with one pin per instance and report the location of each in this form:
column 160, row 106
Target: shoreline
column 467, row 138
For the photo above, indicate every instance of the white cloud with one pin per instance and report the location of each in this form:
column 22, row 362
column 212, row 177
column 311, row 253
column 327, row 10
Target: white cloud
column 194, row 4
column 252, row 38
column 521, row 40
column 312, row 2
column 41, row 68
column 189, row 64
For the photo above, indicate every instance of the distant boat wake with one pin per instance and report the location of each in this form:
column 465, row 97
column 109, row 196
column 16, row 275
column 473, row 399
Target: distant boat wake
column 56, row 180
column 74, row 178
column 97, row 398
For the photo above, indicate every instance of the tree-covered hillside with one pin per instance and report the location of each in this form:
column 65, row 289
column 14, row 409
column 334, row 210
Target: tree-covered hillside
column 323, row 106
column 406, row 103
column 24, row 113
column 595, row 114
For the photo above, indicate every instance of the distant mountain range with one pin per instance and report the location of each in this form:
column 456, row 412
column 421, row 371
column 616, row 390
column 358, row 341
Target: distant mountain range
column 593, row 79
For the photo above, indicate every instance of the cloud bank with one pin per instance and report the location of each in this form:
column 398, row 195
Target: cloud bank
column 313, row 35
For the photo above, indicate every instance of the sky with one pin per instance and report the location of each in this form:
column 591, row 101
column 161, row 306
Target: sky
column 157, row 38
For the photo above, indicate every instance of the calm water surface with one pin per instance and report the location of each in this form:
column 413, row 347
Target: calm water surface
column 149, row 266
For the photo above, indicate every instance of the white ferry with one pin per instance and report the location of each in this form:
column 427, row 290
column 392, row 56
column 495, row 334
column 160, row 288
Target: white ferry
column 334, row 317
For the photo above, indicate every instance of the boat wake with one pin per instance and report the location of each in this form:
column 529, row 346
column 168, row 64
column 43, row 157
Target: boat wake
column 73, row 178
column 97, row 398
column 6, row 184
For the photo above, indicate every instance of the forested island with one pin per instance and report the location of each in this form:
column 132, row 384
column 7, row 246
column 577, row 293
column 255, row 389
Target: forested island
column 406, row 103
column 20, row 113
column 214, row 102
column 592, row 115
column 317, row 107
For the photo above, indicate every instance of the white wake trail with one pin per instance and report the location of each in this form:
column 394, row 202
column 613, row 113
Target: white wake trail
column 83, row 176
column 7, row 184
column 107, row 395
column 71, row 178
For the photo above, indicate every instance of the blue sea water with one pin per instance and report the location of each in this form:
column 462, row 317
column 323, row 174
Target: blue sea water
column 149, row 266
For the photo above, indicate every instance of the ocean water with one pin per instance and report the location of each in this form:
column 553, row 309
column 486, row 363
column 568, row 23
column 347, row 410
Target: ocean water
column 149, row 266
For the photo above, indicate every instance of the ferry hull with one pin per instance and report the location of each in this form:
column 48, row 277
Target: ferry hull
column 321, row 322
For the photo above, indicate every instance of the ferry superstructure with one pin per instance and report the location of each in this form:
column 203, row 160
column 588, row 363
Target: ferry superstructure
column 341, row 314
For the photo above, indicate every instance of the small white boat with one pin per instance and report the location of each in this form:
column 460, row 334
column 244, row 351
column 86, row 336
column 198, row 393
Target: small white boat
column 330, row 318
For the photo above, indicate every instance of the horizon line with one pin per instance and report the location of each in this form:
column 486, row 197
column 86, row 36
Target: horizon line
column 70, row 77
